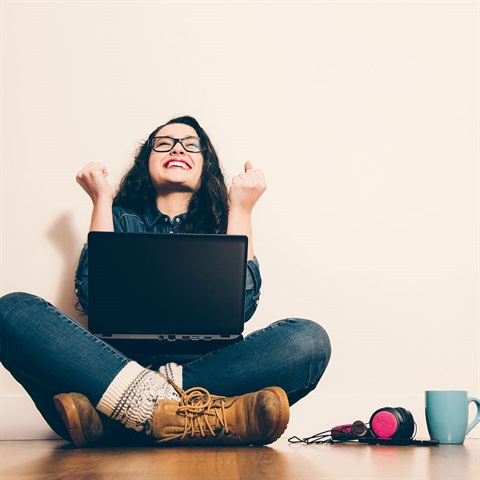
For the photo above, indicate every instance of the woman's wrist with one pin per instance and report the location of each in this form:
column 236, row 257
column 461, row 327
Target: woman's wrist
column 102, row 217
column 240, row 223
column 240, row 211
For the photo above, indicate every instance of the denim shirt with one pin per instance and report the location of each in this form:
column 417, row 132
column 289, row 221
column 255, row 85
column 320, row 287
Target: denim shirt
column 153, row 221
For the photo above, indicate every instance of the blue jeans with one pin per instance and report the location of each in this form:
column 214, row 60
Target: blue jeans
column 48, row 353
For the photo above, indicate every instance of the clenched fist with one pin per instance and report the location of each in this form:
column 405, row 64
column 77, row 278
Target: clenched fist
column 247, row 187
column 93, row 179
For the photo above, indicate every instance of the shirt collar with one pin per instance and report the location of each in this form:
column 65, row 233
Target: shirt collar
column 153, row 215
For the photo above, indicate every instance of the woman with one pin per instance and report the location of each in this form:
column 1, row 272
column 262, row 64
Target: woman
column 175, row 185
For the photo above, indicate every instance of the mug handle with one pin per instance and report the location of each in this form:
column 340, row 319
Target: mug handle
column 477, row 417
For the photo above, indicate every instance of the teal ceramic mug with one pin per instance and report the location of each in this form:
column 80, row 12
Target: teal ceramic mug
column 447, row 413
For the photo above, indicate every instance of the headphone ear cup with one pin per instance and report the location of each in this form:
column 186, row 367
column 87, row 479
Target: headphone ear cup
column 407, row 426
column 392, row 423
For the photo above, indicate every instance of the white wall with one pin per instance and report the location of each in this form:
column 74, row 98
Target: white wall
column 364, row 118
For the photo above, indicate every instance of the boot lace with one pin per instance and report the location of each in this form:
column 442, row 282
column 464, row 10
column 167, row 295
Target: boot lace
column 204, row 413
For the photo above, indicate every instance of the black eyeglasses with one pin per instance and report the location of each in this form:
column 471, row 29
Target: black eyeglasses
column 165, row 144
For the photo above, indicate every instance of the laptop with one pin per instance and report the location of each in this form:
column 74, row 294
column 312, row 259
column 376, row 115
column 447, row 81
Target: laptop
column 165, row 292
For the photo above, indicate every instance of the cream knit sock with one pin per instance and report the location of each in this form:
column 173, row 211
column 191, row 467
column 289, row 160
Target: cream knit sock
column 133, row 394
column 173, row 372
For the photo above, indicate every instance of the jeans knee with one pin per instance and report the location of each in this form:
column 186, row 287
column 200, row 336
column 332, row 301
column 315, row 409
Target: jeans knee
column 312, row 342
column 13, row 303
column 12, row 300
column 10, row 305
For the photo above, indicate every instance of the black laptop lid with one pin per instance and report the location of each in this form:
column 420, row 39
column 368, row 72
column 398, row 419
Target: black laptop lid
column 145, row 283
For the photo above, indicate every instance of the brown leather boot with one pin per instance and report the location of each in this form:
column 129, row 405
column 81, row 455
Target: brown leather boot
column 84, row 424
column 202, row 419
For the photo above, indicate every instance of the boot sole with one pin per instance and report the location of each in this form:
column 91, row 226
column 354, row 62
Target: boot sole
column 284, row 414
column 69, row 413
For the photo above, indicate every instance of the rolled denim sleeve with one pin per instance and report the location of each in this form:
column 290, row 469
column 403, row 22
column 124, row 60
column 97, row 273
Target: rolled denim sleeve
column 81, row 273
column 252, row 290
column 81, row 279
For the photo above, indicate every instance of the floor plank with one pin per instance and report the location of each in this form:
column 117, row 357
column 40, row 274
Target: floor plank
column 51, row 459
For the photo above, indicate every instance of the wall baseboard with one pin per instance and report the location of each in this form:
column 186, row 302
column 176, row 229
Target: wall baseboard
column 20, row 420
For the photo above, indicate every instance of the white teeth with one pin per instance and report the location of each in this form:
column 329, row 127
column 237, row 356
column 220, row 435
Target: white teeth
column 177, row 164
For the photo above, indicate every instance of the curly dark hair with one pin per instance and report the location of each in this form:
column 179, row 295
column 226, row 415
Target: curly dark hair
column 208, row 207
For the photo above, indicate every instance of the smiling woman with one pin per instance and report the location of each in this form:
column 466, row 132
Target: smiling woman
column 175, row 185
column 175, row 169
column 200, row 188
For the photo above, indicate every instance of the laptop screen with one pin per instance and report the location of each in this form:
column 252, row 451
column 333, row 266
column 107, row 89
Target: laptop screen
column 146, row 283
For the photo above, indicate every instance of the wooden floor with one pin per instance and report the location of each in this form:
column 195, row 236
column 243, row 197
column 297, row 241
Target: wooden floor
column 53, row 459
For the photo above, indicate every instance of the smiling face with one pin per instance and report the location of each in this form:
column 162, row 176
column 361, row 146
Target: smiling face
column 176, row 170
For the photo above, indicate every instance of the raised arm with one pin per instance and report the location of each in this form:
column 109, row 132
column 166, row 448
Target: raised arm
column 247, row 187
column 93, row 179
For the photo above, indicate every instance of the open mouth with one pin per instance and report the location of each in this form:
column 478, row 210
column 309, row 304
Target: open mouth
column 175, row 163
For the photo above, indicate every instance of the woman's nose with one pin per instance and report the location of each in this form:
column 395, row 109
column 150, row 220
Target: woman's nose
column 177, row 148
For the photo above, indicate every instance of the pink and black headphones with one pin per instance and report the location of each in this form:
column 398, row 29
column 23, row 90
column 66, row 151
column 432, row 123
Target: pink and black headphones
column 385, row 424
